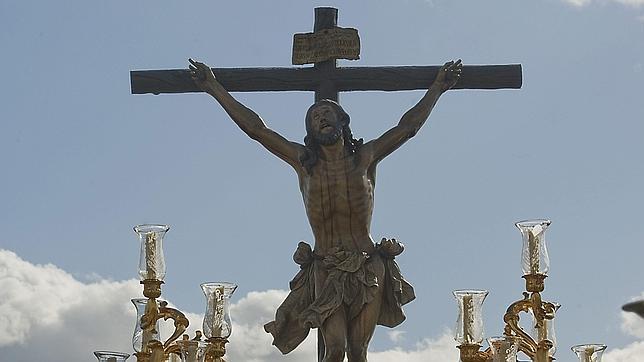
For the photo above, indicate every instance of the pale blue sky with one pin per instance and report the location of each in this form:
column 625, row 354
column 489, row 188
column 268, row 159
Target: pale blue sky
column 83, row 160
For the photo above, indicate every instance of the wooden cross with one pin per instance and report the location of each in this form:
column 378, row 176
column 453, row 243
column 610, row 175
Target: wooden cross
column 325, row 78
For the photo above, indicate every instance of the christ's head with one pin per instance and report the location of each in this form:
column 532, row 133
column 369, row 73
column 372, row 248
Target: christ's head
column 326, row 123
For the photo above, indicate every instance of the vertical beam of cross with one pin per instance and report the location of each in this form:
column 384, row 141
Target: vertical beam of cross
column 326, row 18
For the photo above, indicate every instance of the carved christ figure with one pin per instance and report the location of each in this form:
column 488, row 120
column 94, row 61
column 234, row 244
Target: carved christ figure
column 347, row 284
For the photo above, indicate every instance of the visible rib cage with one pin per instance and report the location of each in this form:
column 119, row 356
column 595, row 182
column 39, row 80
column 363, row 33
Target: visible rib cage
column 338, row 197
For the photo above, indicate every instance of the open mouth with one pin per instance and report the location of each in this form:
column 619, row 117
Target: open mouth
column 324, row 126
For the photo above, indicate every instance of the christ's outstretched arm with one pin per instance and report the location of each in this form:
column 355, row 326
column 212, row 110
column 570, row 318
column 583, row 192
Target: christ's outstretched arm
column 414, row 118
column 245, row 118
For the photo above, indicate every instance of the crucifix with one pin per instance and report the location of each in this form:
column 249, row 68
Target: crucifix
column 347, row 283
column 325, row 78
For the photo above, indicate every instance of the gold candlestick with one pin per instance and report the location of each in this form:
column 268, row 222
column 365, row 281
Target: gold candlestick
column 150, row 256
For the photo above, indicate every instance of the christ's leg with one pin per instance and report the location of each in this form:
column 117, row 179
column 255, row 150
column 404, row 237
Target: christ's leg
column 334, row 331
column 361, row 328
column 334, row 328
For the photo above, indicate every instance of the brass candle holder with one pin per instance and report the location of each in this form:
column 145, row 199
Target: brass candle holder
column 540, row 344
column 536, row 347
column 150, row 310
column 152, row 271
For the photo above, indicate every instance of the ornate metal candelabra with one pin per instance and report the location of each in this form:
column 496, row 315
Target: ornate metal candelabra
column 146, row 340
column 539, row 342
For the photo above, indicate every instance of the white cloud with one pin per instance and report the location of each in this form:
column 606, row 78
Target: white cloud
column 632, row 352
column 632, row 325
column 249, row 342
column 429, row 350
column 45, row 311
column 396, row 336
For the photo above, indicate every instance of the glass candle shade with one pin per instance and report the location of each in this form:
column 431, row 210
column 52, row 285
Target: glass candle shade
column 589, row 352
column 216, row 321
column 546, row 330
column 192, row 351
column 534, row 256
column 504, row 348
column 107, row 356
column 469, row 326
column 151, row 261
column 141, row 337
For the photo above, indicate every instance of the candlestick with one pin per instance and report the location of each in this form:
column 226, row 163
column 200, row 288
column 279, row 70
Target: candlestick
column 533, row 250
column 150, row 255
column 468, row 319
column 219, row 310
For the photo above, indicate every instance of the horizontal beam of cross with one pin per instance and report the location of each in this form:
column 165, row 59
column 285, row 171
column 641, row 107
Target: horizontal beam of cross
column 309, row 79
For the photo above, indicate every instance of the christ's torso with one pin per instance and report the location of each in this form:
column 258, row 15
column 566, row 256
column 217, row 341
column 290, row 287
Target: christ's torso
column 338, row 197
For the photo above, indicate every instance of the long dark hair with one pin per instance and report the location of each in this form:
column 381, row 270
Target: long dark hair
column 311, row 155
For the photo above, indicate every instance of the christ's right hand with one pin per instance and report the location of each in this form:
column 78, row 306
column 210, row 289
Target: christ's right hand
column 202, row 75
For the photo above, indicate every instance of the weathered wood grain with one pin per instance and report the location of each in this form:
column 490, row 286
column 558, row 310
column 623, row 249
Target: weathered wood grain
column 310, row 79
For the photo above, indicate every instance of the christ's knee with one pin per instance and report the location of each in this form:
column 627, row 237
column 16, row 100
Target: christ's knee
column 357, row 353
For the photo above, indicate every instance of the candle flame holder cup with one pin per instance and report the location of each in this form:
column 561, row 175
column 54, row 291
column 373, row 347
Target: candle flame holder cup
column 109, row 356
column 504, row 348
column 217, row 325
column 469, row 326
column 535, row 261
column 589, row 352
column 151, row 260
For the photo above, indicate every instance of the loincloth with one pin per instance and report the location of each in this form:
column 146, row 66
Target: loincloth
column 351, row 283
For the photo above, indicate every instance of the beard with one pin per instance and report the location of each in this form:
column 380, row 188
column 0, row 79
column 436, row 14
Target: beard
column 328, row 138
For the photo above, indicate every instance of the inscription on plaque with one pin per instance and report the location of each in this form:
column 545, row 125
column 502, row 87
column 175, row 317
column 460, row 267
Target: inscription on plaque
column 336, row 43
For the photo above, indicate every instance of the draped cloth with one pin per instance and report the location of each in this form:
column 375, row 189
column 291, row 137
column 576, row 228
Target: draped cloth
column 351, row 283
